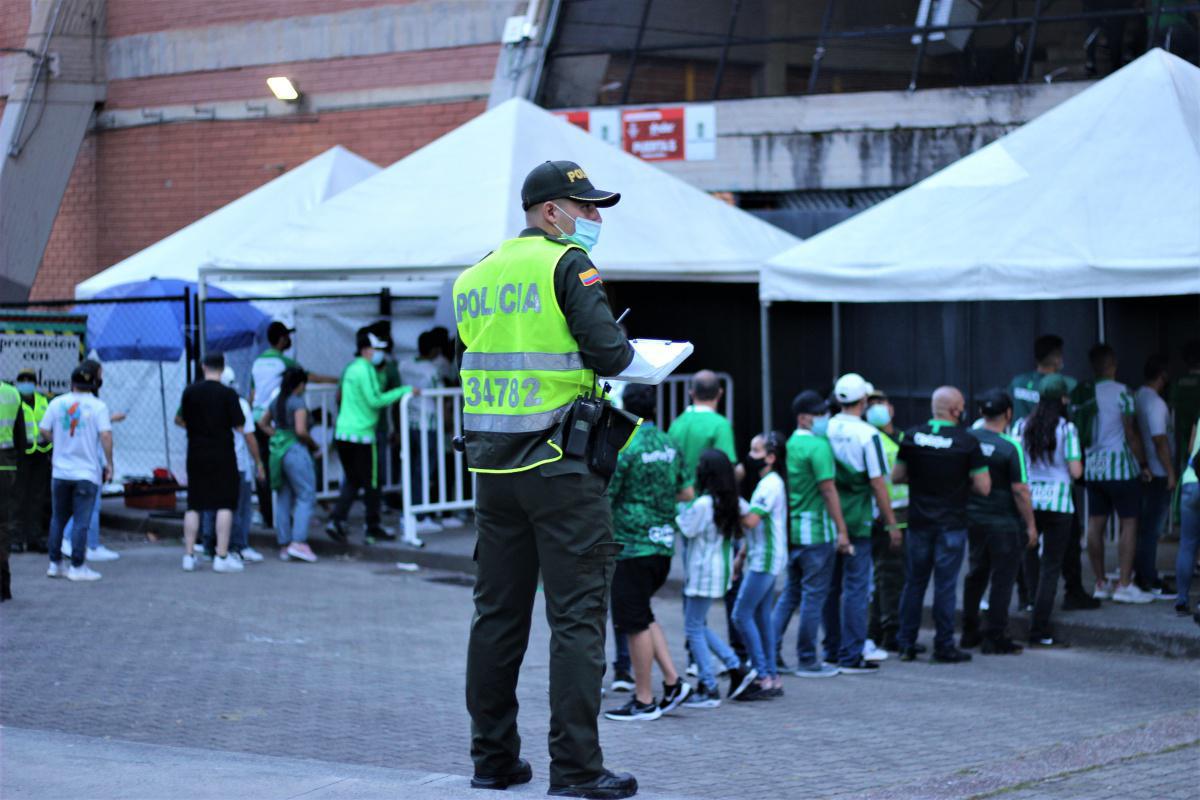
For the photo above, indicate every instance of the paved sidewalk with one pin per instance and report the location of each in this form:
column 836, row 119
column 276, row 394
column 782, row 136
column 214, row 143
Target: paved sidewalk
column 344, row 665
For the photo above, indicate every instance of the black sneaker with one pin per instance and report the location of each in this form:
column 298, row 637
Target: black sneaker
column 378, row 532
column 859, row 667
column 622, row 682
column 755, row 691
column 739, row 681
column 609, row 786
column 1079, row 602
column 1182, row 611
column 970, row 639
column 674, row 695
column 704, row 697
column 521, row 772
column 1047, row 642
column 951, row 657
column 1001, row 647
column 633, row 711
column 908, row 654
column 336, row 530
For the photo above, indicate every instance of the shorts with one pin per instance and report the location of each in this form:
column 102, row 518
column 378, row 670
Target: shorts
column 635, row 580
column 213, row 484
column 1104, row 497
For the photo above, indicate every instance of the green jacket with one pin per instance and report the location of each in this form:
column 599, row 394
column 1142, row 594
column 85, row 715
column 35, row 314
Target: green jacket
column 362, row 400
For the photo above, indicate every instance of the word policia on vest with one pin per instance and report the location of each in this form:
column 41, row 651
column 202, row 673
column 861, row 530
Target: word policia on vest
column 509, row 299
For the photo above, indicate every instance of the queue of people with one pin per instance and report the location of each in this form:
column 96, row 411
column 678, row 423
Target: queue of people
column 860, row 517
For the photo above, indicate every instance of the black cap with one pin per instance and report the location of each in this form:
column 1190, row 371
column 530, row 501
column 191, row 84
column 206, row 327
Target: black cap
column 277, row 329
column 809, row 402
column 994, row 402
column 556, row 179
column 84, row 376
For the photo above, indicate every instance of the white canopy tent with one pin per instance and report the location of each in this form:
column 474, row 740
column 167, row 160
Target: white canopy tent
column 448, row 204
column 257, row 214
column 1098, row 197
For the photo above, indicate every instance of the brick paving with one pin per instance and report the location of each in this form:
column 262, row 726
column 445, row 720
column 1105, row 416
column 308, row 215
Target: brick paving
column 359, row 663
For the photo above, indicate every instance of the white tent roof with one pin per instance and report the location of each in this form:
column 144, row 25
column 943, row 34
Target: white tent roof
column 451, row 202
column 251, row 216
column 1098, row 197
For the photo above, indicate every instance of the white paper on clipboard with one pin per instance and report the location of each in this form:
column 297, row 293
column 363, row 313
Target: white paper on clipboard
column 654, row 360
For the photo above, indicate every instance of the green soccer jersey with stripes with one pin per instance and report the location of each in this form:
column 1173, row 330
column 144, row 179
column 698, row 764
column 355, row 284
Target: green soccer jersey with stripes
column 707, row 552
column 1108, row 456
column 648, row 477
column 809, row 462
column 858, row 452
column 1049, row 476
column 766, row 542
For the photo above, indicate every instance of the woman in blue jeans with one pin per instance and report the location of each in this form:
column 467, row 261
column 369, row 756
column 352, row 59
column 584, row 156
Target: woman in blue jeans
column 763, row 558
column 1189, row 530
column 709, row 527
column 293, row 473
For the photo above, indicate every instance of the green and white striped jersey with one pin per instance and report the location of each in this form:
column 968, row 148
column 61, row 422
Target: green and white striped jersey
column 1049, row 477
column 767, row 542
column 809, row 462
column 1108, row 457
column 707, row 554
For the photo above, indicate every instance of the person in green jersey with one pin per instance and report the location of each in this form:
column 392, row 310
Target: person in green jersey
column 701, row 425
column 647, row 484
column 816, row 532
column 1048, row 359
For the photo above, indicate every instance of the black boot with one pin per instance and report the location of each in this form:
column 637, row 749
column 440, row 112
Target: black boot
column 5, row 582
column 608, row 786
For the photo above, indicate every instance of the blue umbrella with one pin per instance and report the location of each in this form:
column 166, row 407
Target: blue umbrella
column 150, row 331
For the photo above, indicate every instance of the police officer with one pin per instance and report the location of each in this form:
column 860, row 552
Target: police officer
column 33, row 477
column 12, row 445
column 535, row 329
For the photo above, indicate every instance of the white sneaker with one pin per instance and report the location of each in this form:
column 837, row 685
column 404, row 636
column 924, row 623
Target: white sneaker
column 1131, row 594
column 189, row 562
column 102, row 553
column 415, row 541
column 250, row 555
column 1103, row 591
column 871, row 652
column 227, row 563
column 302, row 551
column 84, row 573
column 984, row 605
column 54, row 571
column 429, row 525
column 283, row 554
column 66, row 547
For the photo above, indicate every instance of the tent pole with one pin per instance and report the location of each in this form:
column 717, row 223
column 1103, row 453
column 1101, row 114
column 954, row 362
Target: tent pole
column 162, row 396
column 837, row 340
column 764, row 328
column 1100, row 320
column 201, row 314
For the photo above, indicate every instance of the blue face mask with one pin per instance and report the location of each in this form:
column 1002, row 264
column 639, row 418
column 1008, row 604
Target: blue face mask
column 586, row 234
column 820, row 425
column 878, row 415
column 377, row 357
column 25, row 387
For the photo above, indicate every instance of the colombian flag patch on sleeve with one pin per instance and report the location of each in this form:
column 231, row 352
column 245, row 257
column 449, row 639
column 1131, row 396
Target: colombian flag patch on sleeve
column 590, row 277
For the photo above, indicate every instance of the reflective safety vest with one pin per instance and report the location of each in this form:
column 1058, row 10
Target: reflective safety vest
column 522, row 368
column 897, row 492
column 10, row 405
column 33, row 417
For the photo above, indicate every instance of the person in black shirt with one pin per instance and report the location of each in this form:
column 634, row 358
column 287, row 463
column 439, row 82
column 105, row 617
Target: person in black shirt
column 212, row 415
column 942, row 464
column 1001, row 528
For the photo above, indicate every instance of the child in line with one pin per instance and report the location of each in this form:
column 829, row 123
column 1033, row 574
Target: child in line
column 709, row 527
column 762, row 559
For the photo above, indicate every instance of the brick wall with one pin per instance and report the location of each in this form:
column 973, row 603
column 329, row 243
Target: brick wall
column 345, row 74
column 132, row 187
column 126, row 17
column 14, row 22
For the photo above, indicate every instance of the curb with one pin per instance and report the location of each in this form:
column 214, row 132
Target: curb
column 1094, row 637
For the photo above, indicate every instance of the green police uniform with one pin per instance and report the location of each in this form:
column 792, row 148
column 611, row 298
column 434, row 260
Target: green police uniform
column 890, row 572
column 33, row 477
column 12, row 446
column 534, row 330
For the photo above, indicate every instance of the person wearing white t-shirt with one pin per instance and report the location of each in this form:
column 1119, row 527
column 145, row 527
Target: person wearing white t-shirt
column 1153, row 420
column 79, row 425
column 1114, row 461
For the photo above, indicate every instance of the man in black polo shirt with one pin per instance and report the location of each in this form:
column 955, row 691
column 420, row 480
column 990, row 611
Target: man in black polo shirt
column 1001, row 528
column 942, row 464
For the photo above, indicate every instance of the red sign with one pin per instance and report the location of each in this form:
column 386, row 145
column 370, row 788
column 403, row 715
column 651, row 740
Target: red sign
column 579, row 119
column 654, row 134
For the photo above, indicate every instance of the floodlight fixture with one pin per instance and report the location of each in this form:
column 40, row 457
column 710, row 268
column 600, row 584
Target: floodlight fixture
column 283, row 88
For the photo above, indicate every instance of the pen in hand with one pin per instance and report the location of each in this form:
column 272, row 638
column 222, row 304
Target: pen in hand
column 621, row 318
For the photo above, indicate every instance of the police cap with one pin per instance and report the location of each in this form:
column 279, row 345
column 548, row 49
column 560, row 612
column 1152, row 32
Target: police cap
column 552, row 180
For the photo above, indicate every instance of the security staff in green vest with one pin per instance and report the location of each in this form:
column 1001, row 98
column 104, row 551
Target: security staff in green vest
column 33, row 478
column 534, row 331
column 890, row 572
column 12, row 445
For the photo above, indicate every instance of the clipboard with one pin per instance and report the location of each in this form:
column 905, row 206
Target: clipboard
column 654, row 360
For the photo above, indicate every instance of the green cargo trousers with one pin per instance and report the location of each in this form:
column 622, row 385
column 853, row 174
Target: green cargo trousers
column 562, row 526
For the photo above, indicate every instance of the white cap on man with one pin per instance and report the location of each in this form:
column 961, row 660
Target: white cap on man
column 851, row 387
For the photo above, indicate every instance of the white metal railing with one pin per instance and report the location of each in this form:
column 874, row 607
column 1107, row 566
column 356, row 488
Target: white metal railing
column 673, row 397
column 428, row 427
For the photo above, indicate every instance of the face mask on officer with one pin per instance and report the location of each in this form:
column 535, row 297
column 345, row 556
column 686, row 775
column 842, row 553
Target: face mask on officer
column 878, row 415
column 587, row 232
column 26, row 387
column 820, row 424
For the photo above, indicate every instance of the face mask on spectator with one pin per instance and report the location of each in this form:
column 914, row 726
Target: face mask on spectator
column 377, row 357
column 878, row 415
column 820, row 424
column 754, row 465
